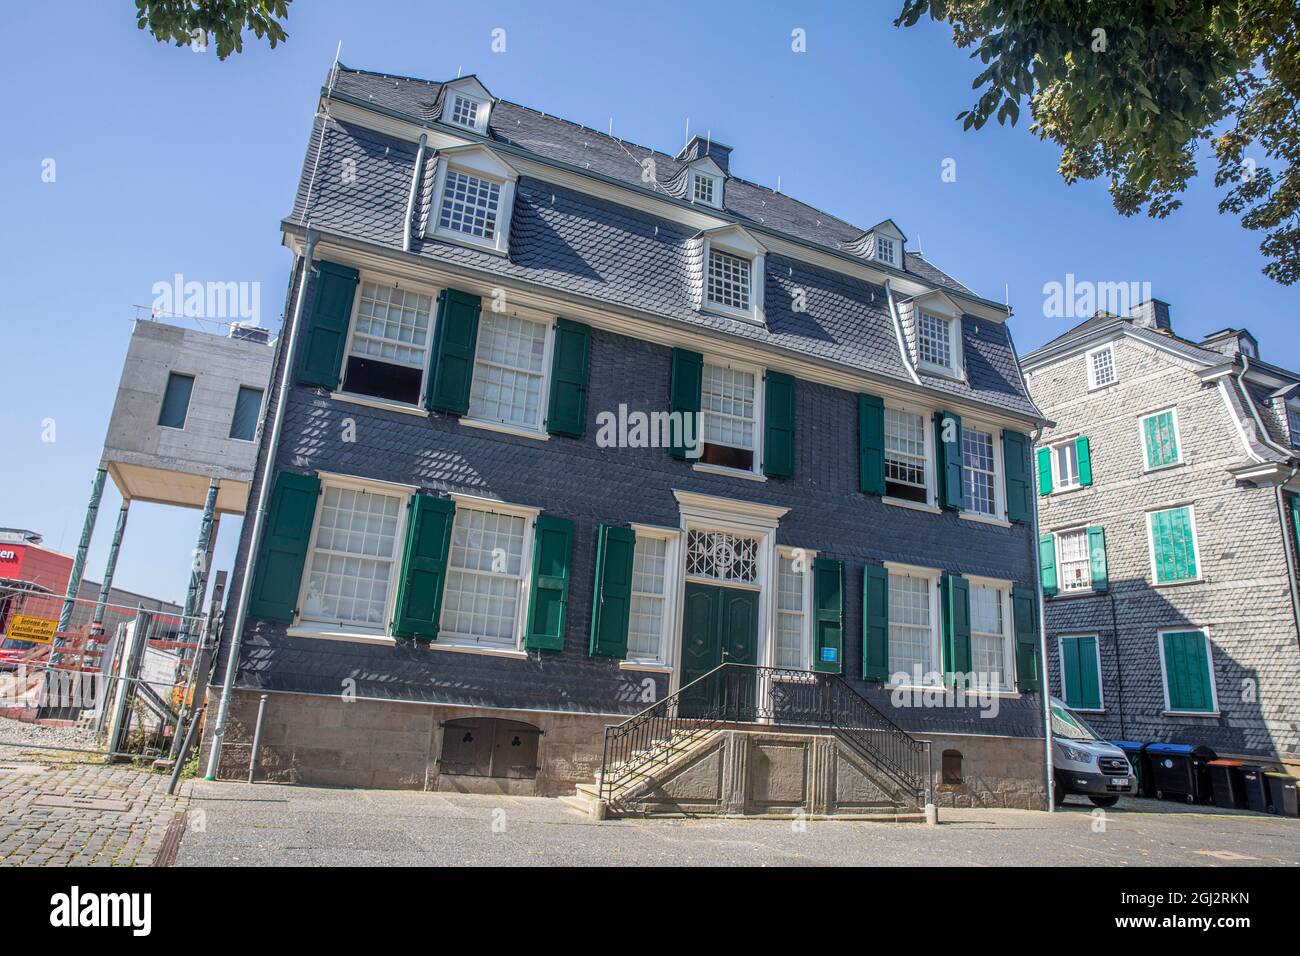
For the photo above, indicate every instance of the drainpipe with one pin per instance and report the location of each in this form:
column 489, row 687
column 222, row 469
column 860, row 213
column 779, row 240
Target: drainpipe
column 1119, row 663
column 1045, row 685
column 1290, row 555
column 259, row 516
column 416, row 174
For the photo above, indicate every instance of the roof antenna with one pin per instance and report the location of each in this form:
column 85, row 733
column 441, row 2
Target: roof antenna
column 688, row 130
column 1007, row 294
column 778, row 183
column 611, row 127
column 458, row 69
column 334, row 73
column 708, row 143
column 920, row 250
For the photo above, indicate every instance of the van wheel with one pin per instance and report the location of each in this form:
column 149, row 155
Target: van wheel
column 1104, row 801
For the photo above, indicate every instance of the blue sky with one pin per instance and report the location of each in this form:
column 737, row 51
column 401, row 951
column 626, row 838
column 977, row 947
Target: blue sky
column 170, row 161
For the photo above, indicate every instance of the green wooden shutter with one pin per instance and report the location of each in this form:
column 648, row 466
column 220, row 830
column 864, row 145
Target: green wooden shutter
column 1097, row 554
column 778, row 425
column 1161, row 440
column 875, row 623
column 955, row 592
column 1187, row 671
column 283, row 549
column 1015, row 461
column 1025, row 615
column 684, row 392
column 424, row 567
column 952, row 490
column 1047, row 563
column 567, row 414
column 1080, row 681
column 325, row 333
column 1044, row 471
column 1085, row 461
column 612, row 594
column 828, row 615
column 1174, row 545
column 454, row 343
column 871, row 445
column 549, row 597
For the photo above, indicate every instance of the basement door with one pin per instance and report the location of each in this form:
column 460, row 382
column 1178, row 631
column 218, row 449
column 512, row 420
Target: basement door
column 719, row 624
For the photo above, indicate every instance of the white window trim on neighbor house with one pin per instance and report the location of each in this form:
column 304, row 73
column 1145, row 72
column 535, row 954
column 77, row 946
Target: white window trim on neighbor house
column 1007, row 686
column 1142, row 440
column 999, row 515
column 359, row 398
column 932, row 575
column 481, row 163
column 755, row 472
column 303, row 626
column 1196, row 547
column 536, row 429
column 927, row 433
column 666, row 659
column 1090, row 359
column 1101, row 684
column 1071, row 442
column 1058, row 543
column 1209, row 663
column 806, row 556
column 737, row 242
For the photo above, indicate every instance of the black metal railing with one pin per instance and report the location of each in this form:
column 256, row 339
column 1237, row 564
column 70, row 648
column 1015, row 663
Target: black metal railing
column 750, row 694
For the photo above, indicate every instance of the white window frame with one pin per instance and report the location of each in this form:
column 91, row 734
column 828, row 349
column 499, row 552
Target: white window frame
column 1142, row 439
column 927, row 431
column 784, row 552
column 1005, row 592
column 1209, row 662
column 1055, row 447
column 999, row 472
column 370, row 486
column 446, row 638
column 760, row 394
column 406, row 286
column 755, row 313
column 895, row 245
column 1196, row 548
column 537, row 429
column 1292, row 423
column 1093, row 384
column 715, row 184
column 936, row 622
column 1060, row 560
column 1101, row 683
column 938, row 308
column 674, row 543
column 480, row 163
column 484, row 108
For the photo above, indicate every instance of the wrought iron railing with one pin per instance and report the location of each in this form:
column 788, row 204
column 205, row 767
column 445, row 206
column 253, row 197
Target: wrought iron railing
column 734, row 693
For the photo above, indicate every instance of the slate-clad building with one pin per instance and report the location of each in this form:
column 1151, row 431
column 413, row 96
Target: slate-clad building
column 1169, row 507
column 568, row 418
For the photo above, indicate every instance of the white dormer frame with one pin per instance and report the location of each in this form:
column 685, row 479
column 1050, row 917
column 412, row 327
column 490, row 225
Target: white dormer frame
column 705, row 170
column 740, row 242
column 889, row 236
column 943, row 307
column 481, row 163
column 473, row 92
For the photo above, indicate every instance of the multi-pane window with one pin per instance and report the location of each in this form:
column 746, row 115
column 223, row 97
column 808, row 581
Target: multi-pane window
column 1293, row 424
column 352, row 557
column 1075, row 560
column 464, row 112
column 1160, row 439
column 509, row 371
column 1101, row 367
column 470, row 205
column 485, row 572
column 1173, row 545
column 729, row 411
column 729, row 280
column 905, row 456
column 980, row 471
column 1067, row 465
column 990, row 640
column 389, row 348
column 911, row 626
column 934, row 340
column 886, row 250
column 722, row 556
column 645, row 634
column 791, row 612
column 702, row 188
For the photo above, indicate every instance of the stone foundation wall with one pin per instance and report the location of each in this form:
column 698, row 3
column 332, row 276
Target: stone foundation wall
column 995, row 772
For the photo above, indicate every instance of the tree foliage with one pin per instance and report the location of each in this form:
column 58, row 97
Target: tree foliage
column 187, row 21
column 1130, row 88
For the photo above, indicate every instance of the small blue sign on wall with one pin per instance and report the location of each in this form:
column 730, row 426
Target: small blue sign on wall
column 830, row 655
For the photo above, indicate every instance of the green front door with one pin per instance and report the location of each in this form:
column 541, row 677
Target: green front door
column 719, row 624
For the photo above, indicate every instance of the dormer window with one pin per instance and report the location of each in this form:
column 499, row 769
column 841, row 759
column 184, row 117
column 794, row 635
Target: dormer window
column 702, row 188
column 473, row 198
column 887, row 250
column 732, row 280
column 1293, row 423
column 704, row 183
column 470, row 205
column 933, row 324
column 883, row 242
column 729, row 280
column 934, row 340
column 467, row 103
column 464, row 111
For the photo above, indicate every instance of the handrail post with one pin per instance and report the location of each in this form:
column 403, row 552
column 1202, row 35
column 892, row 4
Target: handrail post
column 604, row 757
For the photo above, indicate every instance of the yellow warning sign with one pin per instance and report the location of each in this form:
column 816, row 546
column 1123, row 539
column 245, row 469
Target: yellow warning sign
column 38, row 630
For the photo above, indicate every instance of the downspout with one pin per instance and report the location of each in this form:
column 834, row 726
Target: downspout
column 1119, row 663
column 1045, row 685
column 259, row 516
column 898, row 334
column 1286, row 547
column 416, row 174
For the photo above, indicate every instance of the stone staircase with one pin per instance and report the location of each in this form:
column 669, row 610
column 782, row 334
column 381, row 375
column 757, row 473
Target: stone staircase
column 645, row 767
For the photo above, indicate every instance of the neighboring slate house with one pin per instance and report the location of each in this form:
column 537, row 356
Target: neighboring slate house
column 1168, row 509
column 489, row 287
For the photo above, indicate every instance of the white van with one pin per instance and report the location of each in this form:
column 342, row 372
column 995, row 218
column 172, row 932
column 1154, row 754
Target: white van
column 1084, row 763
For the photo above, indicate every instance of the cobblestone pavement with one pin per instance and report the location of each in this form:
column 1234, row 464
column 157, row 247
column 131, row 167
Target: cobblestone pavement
column 35, row 830
column 235, row 824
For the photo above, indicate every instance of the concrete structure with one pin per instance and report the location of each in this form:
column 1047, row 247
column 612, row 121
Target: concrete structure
column 1169, row 515
column 463, row 522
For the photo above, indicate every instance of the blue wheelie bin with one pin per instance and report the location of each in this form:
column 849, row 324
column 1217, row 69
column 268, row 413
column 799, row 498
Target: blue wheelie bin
column 1180, row 772
column 1133, row 751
